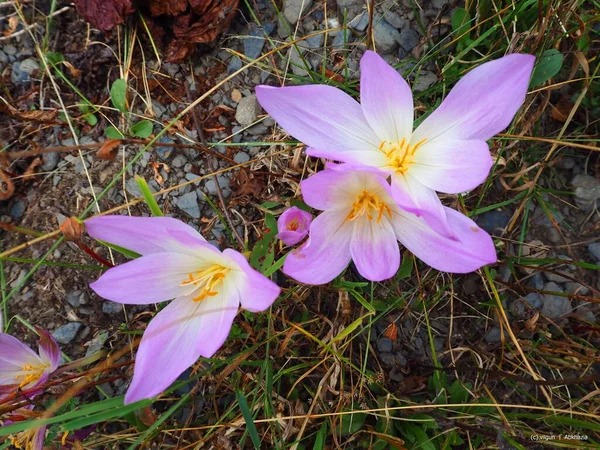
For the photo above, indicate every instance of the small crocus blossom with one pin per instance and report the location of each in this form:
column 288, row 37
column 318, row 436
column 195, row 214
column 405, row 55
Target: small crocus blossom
column 32, row 439
column 362, row 222
column 207, row 286
column 447, row 152
column 21, row 367
column 292, row 225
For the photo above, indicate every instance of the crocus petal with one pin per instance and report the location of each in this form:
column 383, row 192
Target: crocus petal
column 256, row 292
column 293, row 225
column 150, row 279
column 482, row 103
column 14, row 352
column 323, row 117
column 325, row 254
column 422, row 201
column 177, row 337
column 472, row 248
column 385, row 98
column 39, row 436
column 325, row 190
column 452, row 166
column 49, row 350
column 144, row 235
column 374, row 249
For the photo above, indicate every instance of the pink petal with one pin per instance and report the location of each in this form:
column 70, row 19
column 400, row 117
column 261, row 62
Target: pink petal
column 482, row 103
column 385, row 98
column 472, row 248
column 256, row 292
column 374, row 249
column 14, row 355
column 420, row 200
column 152, row 278
column 301, row 220
column 325, row 190
column 322, row 117
column 39, row 436
column 144, row 235
column 325, row 254
column 452, row 166
column 49, row 350
column 177, row 337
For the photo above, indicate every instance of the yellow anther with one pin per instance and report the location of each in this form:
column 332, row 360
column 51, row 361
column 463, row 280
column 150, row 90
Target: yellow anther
column 364, row 205
column 30, row 374
column 400, row 154
column 205, row 281
column 293, row 225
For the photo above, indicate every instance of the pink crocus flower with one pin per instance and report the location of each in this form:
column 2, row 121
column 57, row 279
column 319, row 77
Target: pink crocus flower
column 21, row 367
column 177, row 263
column 362, row 222
column 292, row 225
column 32, row 439
column 447, row 152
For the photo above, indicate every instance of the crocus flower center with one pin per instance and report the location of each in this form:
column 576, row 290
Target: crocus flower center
column 369, row 205
column 30, row 374
column 293, row 225
column 204, row 282
column 400, row 154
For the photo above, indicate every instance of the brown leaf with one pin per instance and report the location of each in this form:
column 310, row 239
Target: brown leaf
column 104, row 14
column 109, row 149
column 72, row 229
column 562, row 109
column 30, row 172
column 247, row 184
column 45, row 116
column 169, row 7
column 391, row 332
column 7, row 187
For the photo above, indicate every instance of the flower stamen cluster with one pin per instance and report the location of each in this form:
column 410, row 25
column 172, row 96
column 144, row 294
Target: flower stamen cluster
column 366, row 203
column 206, row 281
column 400, row 154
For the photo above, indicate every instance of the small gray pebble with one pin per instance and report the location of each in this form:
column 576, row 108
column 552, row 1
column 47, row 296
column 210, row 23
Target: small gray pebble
column 66, row 333
column 384, row 344
column 112, row 308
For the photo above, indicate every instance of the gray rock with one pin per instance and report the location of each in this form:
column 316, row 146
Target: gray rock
column 247, row 110
column 396, row 375
column 298, row 63
column 96, row 344
column 211, row 186
column 179, row 161
column 241, row 157
column 293, row 10
column 401, row 360
column 189, row 204
column 386, row 36
column 534, row 299
column 352, row 6
column 112, row 308
column 384, row 344
column 132, row 188
column 164, row 152
column 394, row 19
column 360, row 22
column 594, row 250
column 254, row 43
column 576, row 288
column 566, row 163
column 10, row 49
column 387, row 359
column 76, row 298
column 18, row 208
column 493, row 221
column 439, row 3
column 408, row 40
column 425, row 80
column 50, row 162
column 22, row 71
column 537, row 281
column 493, row 335
column 555, row 306
column 316, row 41
column 587, row 191
column 234, row 65
column 517, row 308
column 66, row 333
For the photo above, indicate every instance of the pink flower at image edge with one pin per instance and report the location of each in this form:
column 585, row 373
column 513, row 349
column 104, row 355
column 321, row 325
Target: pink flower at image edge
column 207, row 287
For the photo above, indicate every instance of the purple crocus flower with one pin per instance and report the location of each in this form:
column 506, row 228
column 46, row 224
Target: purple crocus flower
column 177, row 263
column 292, row 225
column 362, row 222
column 446, row 153
column 21, row 367
column 32, row 439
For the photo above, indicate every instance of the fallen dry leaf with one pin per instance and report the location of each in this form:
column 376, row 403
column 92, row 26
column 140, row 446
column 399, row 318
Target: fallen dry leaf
column 30, row 172
column 109, row 150
column 72, row 229
column 43, row 116
column 104, row 14
column 7, row 187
